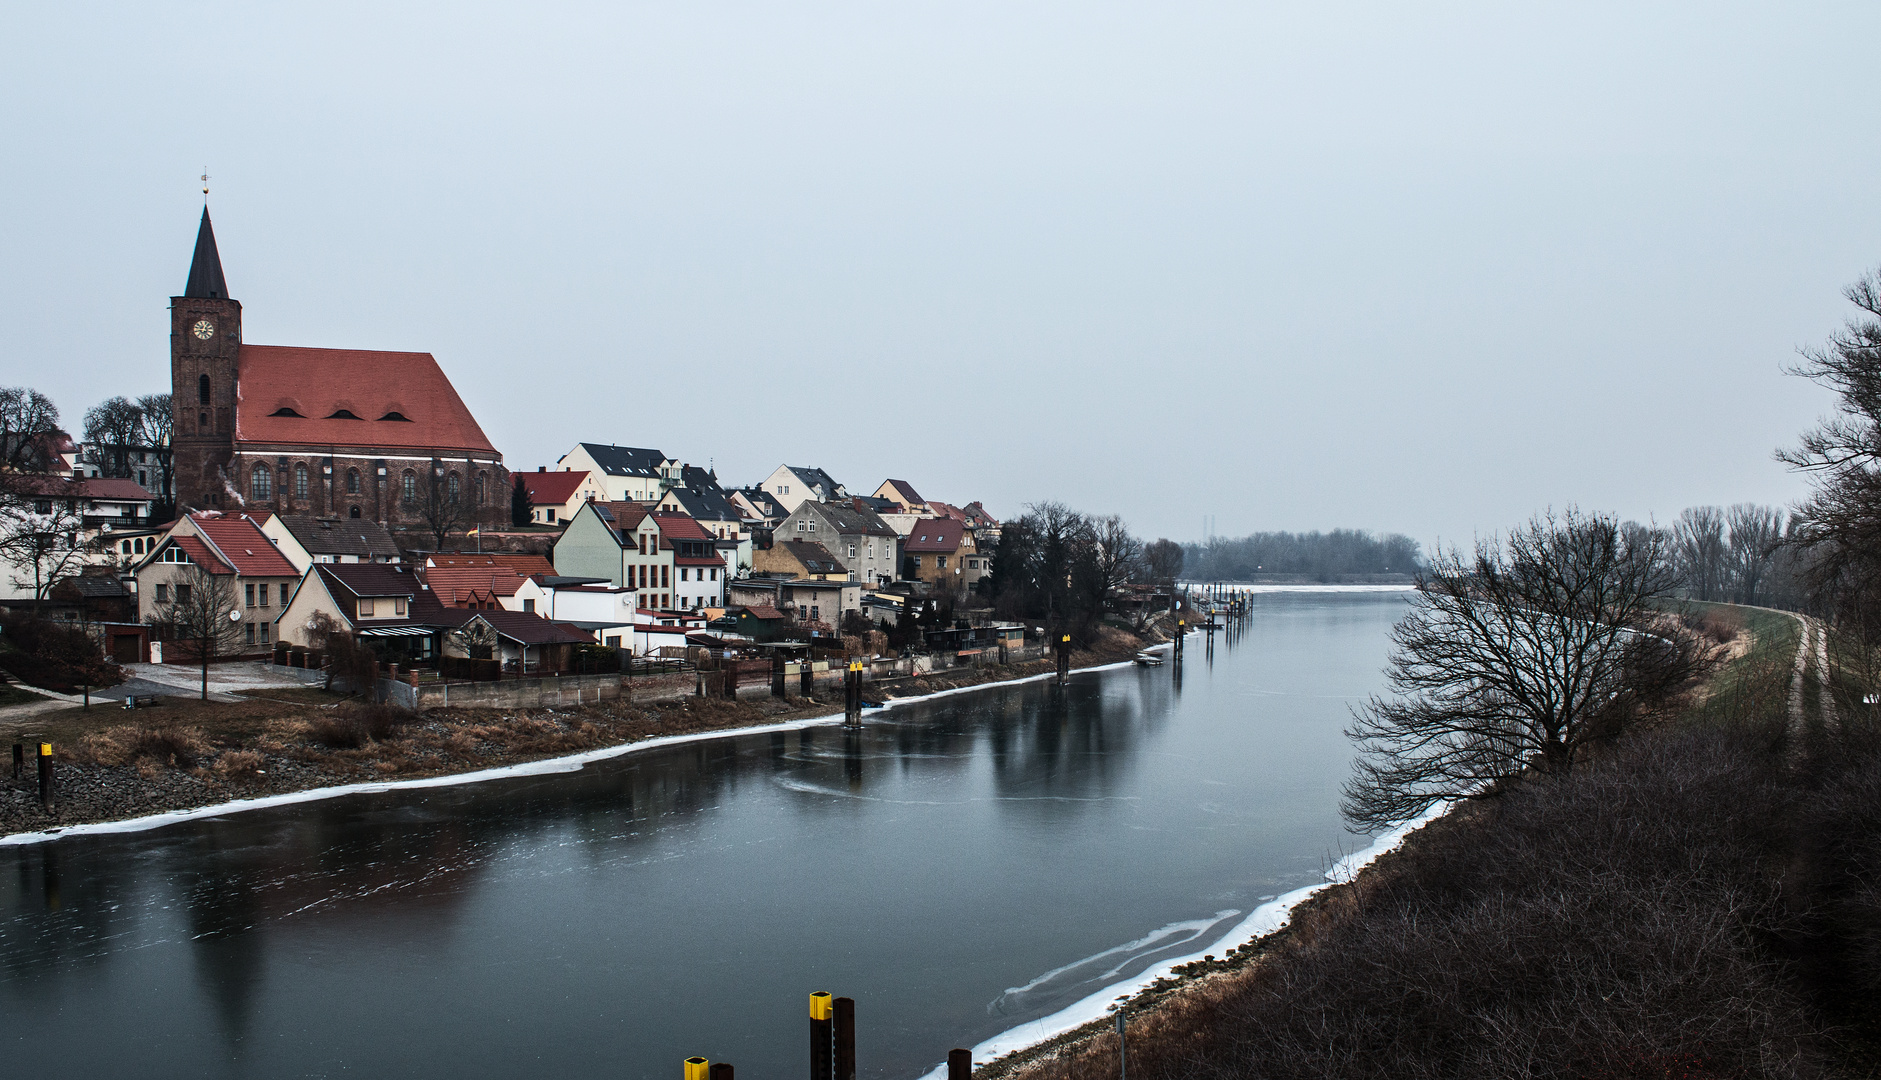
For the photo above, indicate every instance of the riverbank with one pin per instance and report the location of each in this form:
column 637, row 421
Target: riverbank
column 187, row 754
column 1692, row 905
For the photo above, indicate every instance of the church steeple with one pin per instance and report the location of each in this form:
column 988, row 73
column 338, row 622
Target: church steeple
column 205, row 270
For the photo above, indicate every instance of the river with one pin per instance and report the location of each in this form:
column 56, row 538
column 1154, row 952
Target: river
column 960, row 865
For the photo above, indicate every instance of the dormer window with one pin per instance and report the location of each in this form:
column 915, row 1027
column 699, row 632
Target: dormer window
column 286, row 411
column 396, row 415
column 341, row 414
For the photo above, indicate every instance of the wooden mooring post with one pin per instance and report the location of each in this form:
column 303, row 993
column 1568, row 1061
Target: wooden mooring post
column 845, row 1038
column 959, row 1065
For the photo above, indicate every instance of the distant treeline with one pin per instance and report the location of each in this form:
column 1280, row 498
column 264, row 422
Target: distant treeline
column 1318, row 556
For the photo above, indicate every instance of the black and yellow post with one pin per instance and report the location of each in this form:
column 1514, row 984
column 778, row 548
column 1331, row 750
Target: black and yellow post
column 845, row 1038
column 822, row 1058
column 45, row 774
column 808, row 677
column 852, row 694
column 1064, row 659
column 697, row 1068
column 777, row 673
column 959, row 1065
column 1182, row 627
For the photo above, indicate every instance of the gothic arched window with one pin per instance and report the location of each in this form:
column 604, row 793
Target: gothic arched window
column 300, row 481
column 478, row 489
column 352, row 486
column 202, row 389
column 454, row 488
column 259, row 486
column 409, row 490
column 355, row 512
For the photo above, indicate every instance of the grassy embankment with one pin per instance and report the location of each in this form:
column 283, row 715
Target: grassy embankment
column 1702, row 902
column 188, row 753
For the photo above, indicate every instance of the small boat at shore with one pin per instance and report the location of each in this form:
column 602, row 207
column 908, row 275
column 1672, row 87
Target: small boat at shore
column 1148, row 659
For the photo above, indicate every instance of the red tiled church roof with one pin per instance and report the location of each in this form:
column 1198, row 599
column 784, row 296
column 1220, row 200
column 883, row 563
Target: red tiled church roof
column 318, row 383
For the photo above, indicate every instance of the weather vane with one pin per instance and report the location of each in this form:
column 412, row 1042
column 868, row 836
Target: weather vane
column 205, row 183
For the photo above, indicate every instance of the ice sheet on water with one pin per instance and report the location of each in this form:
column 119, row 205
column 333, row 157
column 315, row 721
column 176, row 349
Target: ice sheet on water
column 1104, row 967
column 1264, row 920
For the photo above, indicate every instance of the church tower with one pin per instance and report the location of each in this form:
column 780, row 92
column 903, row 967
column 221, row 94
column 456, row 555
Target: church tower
column 205, row 343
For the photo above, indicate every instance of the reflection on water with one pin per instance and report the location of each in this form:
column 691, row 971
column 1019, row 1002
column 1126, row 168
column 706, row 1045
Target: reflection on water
column 957, row 866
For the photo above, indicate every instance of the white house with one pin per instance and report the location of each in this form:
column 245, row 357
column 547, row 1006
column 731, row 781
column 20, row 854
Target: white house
column 793, row 485
column 624, row 473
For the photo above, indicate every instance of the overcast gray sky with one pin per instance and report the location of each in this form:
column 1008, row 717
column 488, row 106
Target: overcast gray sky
column 1416, row 267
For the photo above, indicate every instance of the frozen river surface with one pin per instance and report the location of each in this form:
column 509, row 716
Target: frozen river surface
column 960, row 865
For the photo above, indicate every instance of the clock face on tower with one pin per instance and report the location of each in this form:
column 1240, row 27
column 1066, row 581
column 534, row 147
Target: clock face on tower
column 203, row 329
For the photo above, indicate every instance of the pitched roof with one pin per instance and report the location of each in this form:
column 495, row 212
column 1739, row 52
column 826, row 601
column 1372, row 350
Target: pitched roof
column 66, row 487
column 680, row 527
column 939, row 535
column 205, row 267
column 553, row 488
column 849, row 518
column 761, row 611
column 460, row 585
column 814, row 557
column 810, row 475
column 525, row 565
column 336, row 536
column 352, row 397
column 369, row 579
column 118, row 488
column 706, row 504
column 977, row 515
column 621, row 516
column 528, row 628
column 700, row 479
column 945, row 510
column 905, row 488
column 242, row 544
column 625, row 460
column 870, row 502
column 202, row 554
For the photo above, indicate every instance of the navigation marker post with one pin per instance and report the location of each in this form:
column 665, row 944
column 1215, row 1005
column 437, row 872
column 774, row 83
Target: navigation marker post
column 959, row 1065
column 697, row 1068
column 822, row 1061
column 1123, row 1062
column 45, row 775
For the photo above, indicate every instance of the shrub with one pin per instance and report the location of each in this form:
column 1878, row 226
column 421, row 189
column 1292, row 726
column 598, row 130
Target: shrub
column 238, row 765
column 177, row 746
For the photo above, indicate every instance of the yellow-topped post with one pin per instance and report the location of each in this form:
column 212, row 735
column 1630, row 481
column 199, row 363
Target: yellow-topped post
column 822, row 1031
column 45, row 774
column 697, row 1068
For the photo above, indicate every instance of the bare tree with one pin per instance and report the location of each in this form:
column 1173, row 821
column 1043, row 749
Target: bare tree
column 205, row 610
column 344, row 656
column 39, row 534
column 1162, row 562
column 1839, row 528
column 439, row 501
column 112, row 427
column 27, row 419
column 1701, row 551
column 1756, row 534
column 1116, row 556
column 1522, row 654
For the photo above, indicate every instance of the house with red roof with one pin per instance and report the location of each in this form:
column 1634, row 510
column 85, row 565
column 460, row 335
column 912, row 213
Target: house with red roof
column 555, row 496
column 944, row 553
column 230, row 547
column 353, row 433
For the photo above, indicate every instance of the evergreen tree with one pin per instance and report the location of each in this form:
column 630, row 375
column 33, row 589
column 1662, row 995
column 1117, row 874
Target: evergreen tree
column 519, row 509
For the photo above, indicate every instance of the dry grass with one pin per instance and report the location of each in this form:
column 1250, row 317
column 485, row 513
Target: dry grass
column 178, row 747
